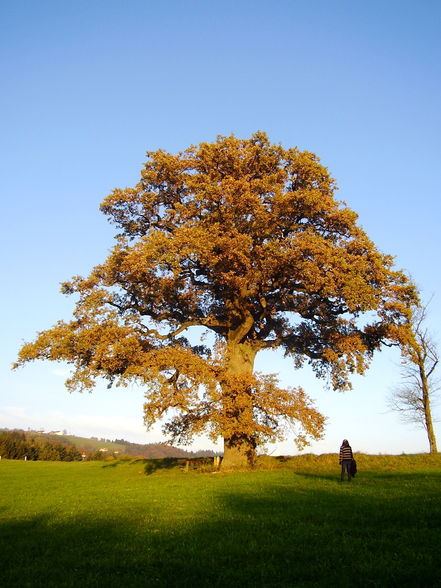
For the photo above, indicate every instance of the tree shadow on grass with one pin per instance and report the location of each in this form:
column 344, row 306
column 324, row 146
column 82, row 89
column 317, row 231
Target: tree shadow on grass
column 117, row 462
column 408, row 477
column 328, row 477
column 274, row 536
column 367, row 476
column 166, row 463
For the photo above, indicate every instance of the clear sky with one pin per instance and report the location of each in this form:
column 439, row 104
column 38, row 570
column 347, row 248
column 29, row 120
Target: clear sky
column 89, row 86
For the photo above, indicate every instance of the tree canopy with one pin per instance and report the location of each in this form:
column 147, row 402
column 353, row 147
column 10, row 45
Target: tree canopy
column 243, row 239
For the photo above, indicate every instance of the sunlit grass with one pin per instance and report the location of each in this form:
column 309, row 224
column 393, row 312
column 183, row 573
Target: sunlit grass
column 110, row 524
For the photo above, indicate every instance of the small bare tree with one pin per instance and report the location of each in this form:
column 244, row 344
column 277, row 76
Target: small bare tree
column 414, row 397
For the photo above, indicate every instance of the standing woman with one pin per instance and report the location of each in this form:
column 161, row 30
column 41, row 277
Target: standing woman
column 345, row 459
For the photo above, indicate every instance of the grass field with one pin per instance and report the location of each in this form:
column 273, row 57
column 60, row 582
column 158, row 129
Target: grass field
column 291, row 524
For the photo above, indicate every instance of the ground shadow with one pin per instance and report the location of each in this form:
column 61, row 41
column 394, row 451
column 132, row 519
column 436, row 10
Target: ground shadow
column 328, row 477
column 117, row 462
column 404, row 477
column 310, row 534
column 111, row 464
column 168, row 463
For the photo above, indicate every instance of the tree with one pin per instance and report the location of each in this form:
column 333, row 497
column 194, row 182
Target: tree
column 242, row 239
column 13, row 444
column 413, row 397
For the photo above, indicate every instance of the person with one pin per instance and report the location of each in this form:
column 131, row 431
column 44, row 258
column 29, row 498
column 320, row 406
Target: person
column 345, row 459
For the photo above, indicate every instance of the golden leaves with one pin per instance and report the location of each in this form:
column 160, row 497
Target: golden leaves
column 246, row 239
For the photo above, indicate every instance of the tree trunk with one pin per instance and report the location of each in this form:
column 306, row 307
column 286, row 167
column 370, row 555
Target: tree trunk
column 428, row 413
column 239, row 441
column 239, row 454
column 431, row 435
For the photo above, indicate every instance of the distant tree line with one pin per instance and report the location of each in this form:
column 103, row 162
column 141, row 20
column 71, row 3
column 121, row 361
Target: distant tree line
column 15, row 445
column 161, row 450
column 18, row 444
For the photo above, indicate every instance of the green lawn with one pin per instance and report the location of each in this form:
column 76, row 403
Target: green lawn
column 109, row 524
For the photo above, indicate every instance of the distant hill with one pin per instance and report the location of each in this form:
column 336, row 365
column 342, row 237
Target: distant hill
column 117, row 446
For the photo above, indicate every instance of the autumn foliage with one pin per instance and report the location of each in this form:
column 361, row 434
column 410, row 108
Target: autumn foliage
column 242, row 239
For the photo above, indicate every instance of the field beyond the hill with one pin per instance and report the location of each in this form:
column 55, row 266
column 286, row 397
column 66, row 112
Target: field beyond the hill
column 289, row 523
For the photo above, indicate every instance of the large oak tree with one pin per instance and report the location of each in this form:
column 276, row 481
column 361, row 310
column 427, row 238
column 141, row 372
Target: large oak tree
column 243, row 239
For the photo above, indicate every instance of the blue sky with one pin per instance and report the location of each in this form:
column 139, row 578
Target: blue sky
column 89, row 86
